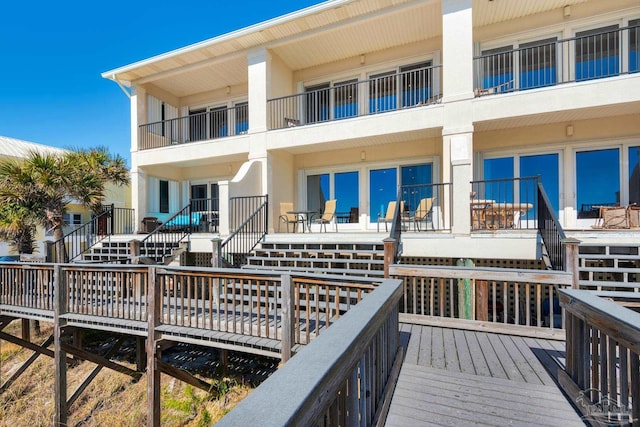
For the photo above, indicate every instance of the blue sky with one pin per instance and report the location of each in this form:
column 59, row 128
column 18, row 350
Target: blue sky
column 52, row 54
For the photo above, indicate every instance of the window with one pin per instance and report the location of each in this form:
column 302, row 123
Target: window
column 164, row 196
column 242, row 117
column 597, row 180
column 317, row 103
column 218, row 122
column 634, row 175
column 634, row 46
column 346, row 191
column 383, row 188
column 538, row 63
column 500, row 171
column 597, row 53
column 416, row 81
column 346, row 102
column 72, row 219
column 497, row 69
column 382, row 92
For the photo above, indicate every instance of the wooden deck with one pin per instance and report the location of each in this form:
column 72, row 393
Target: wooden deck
column 458, row 377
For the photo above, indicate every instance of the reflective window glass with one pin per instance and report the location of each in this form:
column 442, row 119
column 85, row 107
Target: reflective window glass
column 597, row 180
column 382, row 190
column 634, row 175
column 347, row 195
column 317, row 191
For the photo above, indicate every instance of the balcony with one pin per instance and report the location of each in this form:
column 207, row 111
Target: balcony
column 202, row 126
column 594, row 54
column 389, row 92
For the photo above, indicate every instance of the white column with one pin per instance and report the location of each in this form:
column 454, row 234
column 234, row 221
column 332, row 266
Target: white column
column 138, row 192
column 457, row 49
column 138, row 113
column 223, row 208
column 457, row 132
column 259, row 61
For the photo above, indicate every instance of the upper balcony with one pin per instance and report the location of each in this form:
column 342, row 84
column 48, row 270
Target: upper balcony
column 413, row 86
column 200, row 125
column 594, row 54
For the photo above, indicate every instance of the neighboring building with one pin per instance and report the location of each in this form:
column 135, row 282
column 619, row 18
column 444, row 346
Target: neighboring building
column 76, row 214
column 354, row 99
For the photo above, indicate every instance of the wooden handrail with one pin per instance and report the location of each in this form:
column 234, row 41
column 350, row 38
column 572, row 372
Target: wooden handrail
column 336, row 373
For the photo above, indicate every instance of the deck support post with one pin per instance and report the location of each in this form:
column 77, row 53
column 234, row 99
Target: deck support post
column 141, row 360
column 134, row 248
column 224, row 360
column 216, row 254
column 571, row 248
column 26, row 331
column 288, row 310
column 389, row 254
column 154, row 310
column 60, row 356
column 25, row 365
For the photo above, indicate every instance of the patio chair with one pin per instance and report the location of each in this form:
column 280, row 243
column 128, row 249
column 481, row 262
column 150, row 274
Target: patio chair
column 388, row 217
column 614, row 217
column 288, row 218
column 423, row 213
column 328, row 215
column 634, row 216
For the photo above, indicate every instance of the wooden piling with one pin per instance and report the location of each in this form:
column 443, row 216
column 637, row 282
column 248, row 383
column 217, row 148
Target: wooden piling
column 60, row 356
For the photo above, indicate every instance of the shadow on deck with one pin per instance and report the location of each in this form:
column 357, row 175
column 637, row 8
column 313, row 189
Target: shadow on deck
column 460, row 377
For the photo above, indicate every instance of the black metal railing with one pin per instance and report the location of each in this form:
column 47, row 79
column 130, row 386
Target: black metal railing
column 550, row 230
column 111, row 221
column 210, row 210
column 500, row 204
column 589, row 55
column 253, row 211
column 357, row 98
column 396, row 227
column 160, row 241
column 426, row 207
column 213, row 124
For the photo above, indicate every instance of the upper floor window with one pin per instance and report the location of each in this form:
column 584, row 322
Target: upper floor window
column 597, row 53
column 72, row 218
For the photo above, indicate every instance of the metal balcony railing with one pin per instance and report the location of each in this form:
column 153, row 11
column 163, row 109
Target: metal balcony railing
column 590, row 55
column 213, row 124
column 357, row 98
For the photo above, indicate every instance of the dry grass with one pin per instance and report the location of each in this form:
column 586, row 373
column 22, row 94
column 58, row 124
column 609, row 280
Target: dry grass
column 112, row 399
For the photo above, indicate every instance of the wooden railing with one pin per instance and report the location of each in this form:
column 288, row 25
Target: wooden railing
column 521, row 302
column 602, row 372
column 344, row 377
column 29, row 286
column 293, row 309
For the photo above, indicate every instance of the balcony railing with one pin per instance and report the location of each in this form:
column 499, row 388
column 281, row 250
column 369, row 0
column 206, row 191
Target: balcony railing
column 357, row 98
column 426, row 207
column 550, row 62
column 500, row 204
column 214, row 124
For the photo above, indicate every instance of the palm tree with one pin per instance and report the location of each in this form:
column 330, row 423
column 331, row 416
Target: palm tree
column 44, row 184
column 18, row 227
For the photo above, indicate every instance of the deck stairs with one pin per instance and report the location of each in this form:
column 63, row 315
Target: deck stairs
column 118, row 250
column 346, row 258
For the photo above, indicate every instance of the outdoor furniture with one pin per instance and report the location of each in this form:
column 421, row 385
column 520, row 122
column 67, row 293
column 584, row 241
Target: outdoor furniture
column 327, row 215
column 149, row 224
column 612, row 217
column 289, row 216
column 388, row 217
column 505, row 215
column 479, row 209
column 424, row 212
column 634, row 216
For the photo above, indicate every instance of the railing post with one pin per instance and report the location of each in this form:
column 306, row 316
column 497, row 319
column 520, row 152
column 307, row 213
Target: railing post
column 134, row 249
column 154, row 312
column 60, row 356
column 288, row 312
column 216, row 254
column 571, row 247
column 389, row 254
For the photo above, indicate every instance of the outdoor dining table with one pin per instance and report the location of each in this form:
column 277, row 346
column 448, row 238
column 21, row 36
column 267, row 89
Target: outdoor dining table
column 304, row 216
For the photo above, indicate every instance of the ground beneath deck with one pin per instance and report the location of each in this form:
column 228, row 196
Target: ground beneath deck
column 453, row 377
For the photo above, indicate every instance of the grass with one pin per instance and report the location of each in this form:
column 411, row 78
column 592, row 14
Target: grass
column 112, row 399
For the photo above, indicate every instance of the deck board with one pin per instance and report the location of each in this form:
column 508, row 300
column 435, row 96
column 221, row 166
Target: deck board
column 477, row 378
